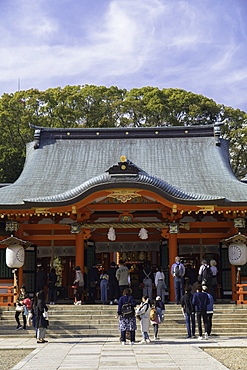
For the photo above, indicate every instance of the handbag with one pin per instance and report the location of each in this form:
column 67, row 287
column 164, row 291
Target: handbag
column 19, row 308
column 45, row 314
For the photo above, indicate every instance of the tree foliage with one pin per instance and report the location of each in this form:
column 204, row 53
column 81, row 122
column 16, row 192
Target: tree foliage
column 100, row 106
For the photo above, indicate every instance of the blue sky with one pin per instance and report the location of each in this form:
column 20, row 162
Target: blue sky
column 196, row 45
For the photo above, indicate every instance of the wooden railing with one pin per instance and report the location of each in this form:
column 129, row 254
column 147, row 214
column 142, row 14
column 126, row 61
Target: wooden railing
column 7, row 298
column 242, row 294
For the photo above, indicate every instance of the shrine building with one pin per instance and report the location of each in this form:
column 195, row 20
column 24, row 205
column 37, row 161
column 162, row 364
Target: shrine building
column 139, row 194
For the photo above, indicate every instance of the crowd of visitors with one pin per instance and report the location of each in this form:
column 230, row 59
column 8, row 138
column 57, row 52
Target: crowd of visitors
column 196, row 294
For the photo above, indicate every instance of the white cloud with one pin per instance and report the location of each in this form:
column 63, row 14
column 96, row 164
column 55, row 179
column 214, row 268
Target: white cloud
column 165, row 43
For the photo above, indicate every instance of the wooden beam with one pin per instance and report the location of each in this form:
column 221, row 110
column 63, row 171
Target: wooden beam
column 203, row 236
column 50, row 237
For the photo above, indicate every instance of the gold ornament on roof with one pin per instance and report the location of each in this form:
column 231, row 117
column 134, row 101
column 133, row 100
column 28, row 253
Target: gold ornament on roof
column 124, row 195
column 123, row 158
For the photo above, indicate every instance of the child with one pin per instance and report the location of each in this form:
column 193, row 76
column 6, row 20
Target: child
column 155, row 321
column 160, row 307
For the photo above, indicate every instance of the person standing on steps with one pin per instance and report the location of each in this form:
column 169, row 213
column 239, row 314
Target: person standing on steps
column 93, row 279
column 178, row 271
column 160, row 283
column 113, row 283
column 103, row 286
column 188, row 311
column 123, row 276
column 78, row 285
column 147, row 280
column 160, row 308
column 214, row 282
column 41, row 280
column 52, row 289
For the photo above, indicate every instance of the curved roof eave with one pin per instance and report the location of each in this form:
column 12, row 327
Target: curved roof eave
column 105, row 181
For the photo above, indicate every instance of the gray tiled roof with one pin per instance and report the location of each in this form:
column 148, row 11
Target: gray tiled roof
column 182, row 164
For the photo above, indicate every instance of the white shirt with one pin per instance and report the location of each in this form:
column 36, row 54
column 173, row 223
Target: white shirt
column 159, row 276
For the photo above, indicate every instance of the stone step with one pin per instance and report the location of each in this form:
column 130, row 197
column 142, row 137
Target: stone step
column 99, row 320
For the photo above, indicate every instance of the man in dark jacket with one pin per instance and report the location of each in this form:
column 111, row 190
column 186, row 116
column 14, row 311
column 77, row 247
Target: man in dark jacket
column 200, row 301
column 113, row 283
column 188, row 311
column 93, row 279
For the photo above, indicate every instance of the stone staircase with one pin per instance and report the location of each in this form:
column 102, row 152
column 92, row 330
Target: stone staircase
column 99, row 320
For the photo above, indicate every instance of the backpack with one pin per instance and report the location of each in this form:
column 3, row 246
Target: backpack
column 127, row 310
column 153, row 314
column 207, row 276
column 178, row 270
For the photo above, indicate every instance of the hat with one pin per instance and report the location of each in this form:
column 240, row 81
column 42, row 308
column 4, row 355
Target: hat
column 204, row 261
column 204, row 287
column 77, row 268
column 158, row 298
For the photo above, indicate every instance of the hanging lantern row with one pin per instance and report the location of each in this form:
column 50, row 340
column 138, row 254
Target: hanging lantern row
column 143, row 234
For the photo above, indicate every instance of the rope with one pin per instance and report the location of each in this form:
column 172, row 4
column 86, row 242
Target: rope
column 119, row 225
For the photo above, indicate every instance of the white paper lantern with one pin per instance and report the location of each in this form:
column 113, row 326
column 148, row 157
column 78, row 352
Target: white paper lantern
column 15, row 256
column 111, row 234
column 237, row 253
column 143, row 234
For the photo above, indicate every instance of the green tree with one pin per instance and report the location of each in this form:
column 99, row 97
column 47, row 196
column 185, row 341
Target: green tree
column 100, row 106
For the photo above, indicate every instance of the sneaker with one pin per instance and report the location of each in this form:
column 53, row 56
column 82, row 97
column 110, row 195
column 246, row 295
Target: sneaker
column 44, row 341
column 200, row 338
column 188, row 337
column 206, row 336
column 111, row 302
column 143, row 342
column 132, row 343
column 19, row 327
column 116, row 300
column 193, row 336
column 123, row 343
column 148, row 340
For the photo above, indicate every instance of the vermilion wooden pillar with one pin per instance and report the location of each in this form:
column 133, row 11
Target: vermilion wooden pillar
column 172, row 254
column 79, row 251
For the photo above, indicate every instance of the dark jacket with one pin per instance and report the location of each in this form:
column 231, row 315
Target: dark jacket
column 21, row 297
column 52, row 279
column 124, row 299
column 93, row 274
column 159, row 304
column 111, row 272
column 186, row 303
column 39, row 309
column 200, row 301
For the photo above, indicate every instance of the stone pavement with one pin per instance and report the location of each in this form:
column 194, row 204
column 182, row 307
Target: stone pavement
column 108, row 353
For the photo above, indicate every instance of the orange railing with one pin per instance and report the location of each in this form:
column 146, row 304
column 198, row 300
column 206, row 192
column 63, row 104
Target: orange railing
column 7, row 298
column 242, row 292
